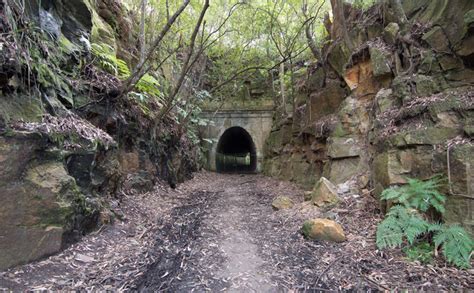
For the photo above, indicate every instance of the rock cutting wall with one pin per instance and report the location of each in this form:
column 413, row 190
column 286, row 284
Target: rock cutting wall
column 68, row 145
column 395, row 107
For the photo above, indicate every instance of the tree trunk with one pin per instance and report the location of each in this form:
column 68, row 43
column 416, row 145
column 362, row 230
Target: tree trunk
column 339, row 26
column 142, row 31
column 282, row 87
column 399, row 14
column 311, row 43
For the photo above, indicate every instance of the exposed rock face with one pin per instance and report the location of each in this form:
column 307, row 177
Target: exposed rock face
column 282, row 203
column 42, row 207
column 56, row 170
column 324, row 193
column 375, row 118
column 323, row 229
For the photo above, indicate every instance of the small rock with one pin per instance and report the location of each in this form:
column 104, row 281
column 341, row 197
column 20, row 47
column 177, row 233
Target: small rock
column 343, row 188
column 323, row 229
column 84, row 258
column 380, row 62
column 391, row 32
column 308, row 195
column 282, row 202
column 324, row 193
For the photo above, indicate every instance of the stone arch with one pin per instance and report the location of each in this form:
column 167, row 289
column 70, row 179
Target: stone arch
column 236, row 151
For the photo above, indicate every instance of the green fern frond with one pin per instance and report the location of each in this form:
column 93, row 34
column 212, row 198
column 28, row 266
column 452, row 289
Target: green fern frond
column 106, row 59
column 457, row 245
column 415, row 227
column 389, row 233
column 418, row 194
column 400, row 223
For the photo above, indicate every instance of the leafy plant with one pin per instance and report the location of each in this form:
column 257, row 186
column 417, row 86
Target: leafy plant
column 148, row 84
column 418, row 194
column 405, row 223
column 422, row 252
column 456, row 244
column 106, row 59
column 400, row 223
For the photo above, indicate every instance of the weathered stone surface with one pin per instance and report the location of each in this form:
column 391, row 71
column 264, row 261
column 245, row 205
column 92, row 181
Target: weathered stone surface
column 326, row 101
column 323, row 229
column 354, row 116
column 437, row 39
column 303, row 172
column 339, row 57
column 343, row 147
column 449, row 62
column 428, row 136
column 282, row 203
column 385, row 100
column 395, row 166
column 460, row 210
column 129, row 161
column 429, row 63
column 380, row 62
column 462, row 169
column 426, row 85
column 342, row 170
column 324, row 193
column 442, row 13
column 361, row 80
column 461, row 77
column 41, row 202
column 391, row 32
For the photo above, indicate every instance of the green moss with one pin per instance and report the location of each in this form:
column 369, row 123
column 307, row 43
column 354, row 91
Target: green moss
column 339, row 131
column 307, row 227
column 21, row 107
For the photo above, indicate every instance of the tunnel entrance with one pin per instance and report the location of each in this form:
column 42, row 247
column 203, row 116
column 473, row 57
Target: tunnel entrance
column 236, row 152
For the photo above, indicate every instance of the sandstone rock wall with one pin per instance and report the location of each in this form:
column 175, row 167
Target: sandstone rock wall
column 67, row 144
column 400, row 105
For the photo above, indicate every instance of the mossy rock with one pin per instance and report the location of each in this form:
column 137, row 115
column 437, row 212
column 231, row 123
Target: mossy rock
column 21, row 108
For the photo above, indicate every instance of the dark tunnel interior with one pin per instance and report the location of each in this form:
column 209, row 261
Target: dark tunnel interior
column 236, row 152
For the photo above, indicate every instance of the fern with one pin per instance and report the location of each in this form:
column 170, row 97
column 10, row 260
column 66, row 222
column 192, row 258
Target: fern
column 106, row 59
column 418, row 194
column 400, row 223
column 404, row 221
column 456, row 244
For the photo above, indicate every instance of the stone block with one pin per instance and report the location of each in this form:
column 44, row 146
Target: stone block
column 343, row 147
column 437, row 39
column 380, row 62
column 324, row 193
column 326, row 101
column 343, row 169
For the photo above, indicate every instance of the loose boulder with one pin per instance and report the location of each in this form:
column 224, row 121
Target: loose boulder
column 323, row 229
column 324, row 193
column 282, row 202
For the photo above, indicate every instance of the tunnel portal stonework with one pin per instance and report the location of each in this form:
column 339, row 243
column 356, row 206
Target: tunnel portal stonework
column 258, row 123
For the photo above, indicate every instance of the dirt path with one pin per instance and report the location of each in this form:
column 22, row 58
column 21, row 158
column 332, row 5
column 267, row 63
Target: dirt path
column 221, row 251
column 219, row 233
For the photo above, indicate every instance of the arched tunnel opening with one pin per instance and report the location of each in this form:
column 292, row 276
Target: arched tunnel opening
column 236, row 152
